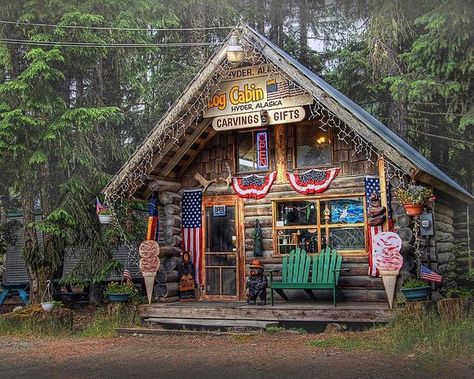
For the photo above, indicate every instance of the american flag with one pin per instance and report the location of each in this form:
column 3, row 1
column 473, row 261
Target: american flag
column 372, row 184
column 126, row 276
column 427, row 274
column 152, row 229
column 98, row 206
column 192, row 223
column 282, row 89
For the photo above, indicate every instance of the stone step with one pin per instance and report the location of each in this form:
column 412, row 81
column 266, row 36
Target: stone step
column 208, row 323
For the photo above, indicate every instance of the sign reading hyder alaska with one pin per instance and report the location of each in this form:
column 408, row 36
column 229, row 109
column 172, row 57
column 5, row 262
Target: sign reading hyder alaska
column 247, row 91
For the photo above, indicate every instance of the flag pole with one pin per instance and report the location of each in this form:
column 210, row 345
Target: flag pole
column 383, row 189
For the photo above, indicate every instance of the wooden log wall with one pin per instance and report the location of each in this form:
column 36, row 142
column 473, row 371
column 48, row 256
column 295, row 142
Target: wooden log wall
column 444, row 241
column 170, row 237
column 356, row 284
column 210, row 163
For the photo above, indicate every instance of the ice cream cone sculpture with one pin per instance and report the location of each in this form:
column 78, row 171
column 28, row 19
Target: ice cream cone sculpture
column 149, row 264
column 387, row 246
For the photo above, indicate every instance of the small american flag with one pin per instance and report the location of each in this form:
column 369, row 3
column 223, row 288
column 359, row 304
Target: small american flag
column 372, row 184
column 126, row 276
column 192, row 225
column 98, row 206
column 427, row 274
column 282, row 89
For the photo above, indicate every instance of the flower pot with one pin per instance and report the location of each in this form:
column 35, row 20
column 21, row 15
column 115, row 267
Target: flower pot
column 105, row 219
column 419, row 293
column 413, row 209
column 119, row 297
column 47, row 306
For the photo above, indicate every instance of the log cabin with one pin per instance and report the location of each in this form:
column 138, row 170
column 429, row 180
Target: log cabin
column 266, row 139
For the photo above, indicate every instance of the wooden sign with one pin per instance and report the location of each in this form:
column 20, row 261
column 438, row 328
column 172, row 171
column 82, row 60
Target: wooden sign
column 253, row 89
column 219, row 211
column 254, row 119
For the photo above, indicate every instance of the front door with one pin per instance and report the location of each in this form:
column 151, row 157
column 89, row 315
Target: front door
column 221, row 249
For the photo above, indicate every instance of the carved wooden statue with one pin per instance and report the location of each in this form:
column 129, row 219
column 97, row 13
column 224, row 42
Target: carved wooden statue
column 257, row 284
column 187, row 282
column 257, row 240
column 376, row 211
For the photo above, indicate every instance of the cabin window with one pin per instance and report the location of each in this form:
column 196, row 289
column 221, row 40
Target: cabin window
column 313, row 147
column 316, row 223
column 251, row 153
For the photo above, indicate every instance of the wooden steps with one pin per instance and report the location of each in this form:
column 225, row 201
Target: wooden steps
column 307, row 311
column 207, row 323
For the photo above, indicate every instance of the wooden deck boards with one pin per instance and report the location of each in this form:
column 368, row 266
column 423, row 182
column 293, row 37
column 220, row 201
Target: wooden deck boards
column 301, row 311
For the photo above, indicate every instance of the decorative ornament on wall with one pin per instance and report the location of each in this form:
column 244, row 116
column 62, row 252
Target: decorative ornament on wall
column 253, row 186
column 312, row 181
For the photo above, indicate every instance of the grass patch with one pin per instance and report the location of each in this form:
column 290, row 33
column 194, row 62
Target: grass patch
column 33, row 322
column 32, row 327
column 274, row 329
column 104, row 325
column 427, row 337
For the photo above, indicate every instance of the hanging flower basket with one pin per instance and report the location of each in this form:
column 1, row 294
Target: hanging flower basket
column 47, row 302
column 47, row 306
column 413, row 209
column 414, row 198
column 105, row 218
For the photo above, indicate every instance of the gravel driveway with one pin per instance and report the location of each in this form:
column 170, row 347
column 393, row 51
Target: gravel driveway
column 199, row 356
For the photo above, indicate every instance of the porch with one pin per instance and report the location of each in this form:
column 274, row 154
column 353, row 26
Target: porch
column 284, row 313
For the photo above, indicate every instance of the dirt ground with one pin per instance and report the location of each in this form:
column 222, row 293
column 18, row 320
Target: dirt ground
column 263, row 355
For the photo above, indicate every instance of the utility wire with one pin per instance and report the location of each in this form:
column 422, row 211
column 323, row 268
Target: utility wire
column 18, row 23
column 98, row 45
column 447, row 138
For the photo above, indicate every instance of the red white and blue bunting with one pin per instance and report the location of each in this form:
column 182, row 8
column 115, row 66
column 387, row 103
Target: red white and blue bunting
column 312, row 181
column 253, row 186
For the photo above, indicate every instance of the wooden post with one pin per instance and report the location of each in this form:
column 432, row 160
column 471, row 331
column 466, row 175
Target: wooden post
column 280, row 153
column 383, row 190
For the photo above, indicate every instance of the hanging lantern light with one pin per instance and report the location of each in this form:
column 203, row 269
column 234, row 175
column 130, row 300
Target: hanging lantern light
column 235, row 52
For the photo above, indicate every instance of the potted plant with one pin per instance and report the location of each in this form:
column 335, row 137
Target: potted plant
column 105, row 216
column 47, row 302
column 413, row 198
column 121, row 292
column 414, row 289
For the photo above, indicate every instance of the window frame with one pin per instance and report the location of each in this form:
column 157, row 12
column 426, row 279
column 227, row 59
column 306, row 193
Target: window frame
column 295, row 147
column 254, row 131
column 321, row 227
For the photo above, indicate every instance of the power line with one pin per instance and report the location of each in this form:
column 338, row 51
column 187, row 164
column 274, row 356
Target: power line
column 446, row 138
column 18, row 23
column 99, row 45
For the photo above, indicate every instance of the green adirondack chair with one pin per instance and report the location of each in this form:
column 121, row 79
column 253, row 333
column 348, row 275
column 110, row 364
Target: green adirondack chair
column 325, row 271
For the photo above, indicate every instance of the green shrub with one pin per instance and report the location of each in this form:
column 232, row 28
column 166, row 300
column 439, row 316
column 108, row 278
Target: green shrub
column 414, row 283
column 427, row 337
column 124, row 288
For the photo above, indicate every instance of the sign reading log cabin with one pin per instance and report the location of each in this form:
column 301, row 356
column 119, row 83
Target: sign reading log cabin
column 237, row 102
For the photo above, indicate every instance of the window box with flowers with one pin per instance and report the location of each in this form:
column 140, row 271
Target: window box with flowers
column 414, row 198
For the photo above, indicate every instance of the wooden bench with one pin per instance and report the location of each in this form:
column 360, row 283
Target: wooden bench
column 325, row 270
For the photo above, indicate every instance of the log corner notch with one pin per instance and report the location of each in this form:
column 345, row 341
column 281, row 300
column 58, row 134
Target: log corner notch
column 280, row 153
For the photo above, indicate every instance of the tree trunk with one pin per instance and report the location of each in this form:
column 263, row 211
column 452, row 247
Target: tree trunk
column 31, row 248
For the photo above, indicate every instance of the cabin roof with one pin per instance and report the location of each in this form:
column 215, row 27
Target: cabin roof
column 368, row 127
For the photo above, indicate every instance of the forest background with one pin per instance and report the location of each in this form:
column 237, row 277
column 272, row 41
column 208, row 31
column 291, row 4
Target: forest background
column 71, row 115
